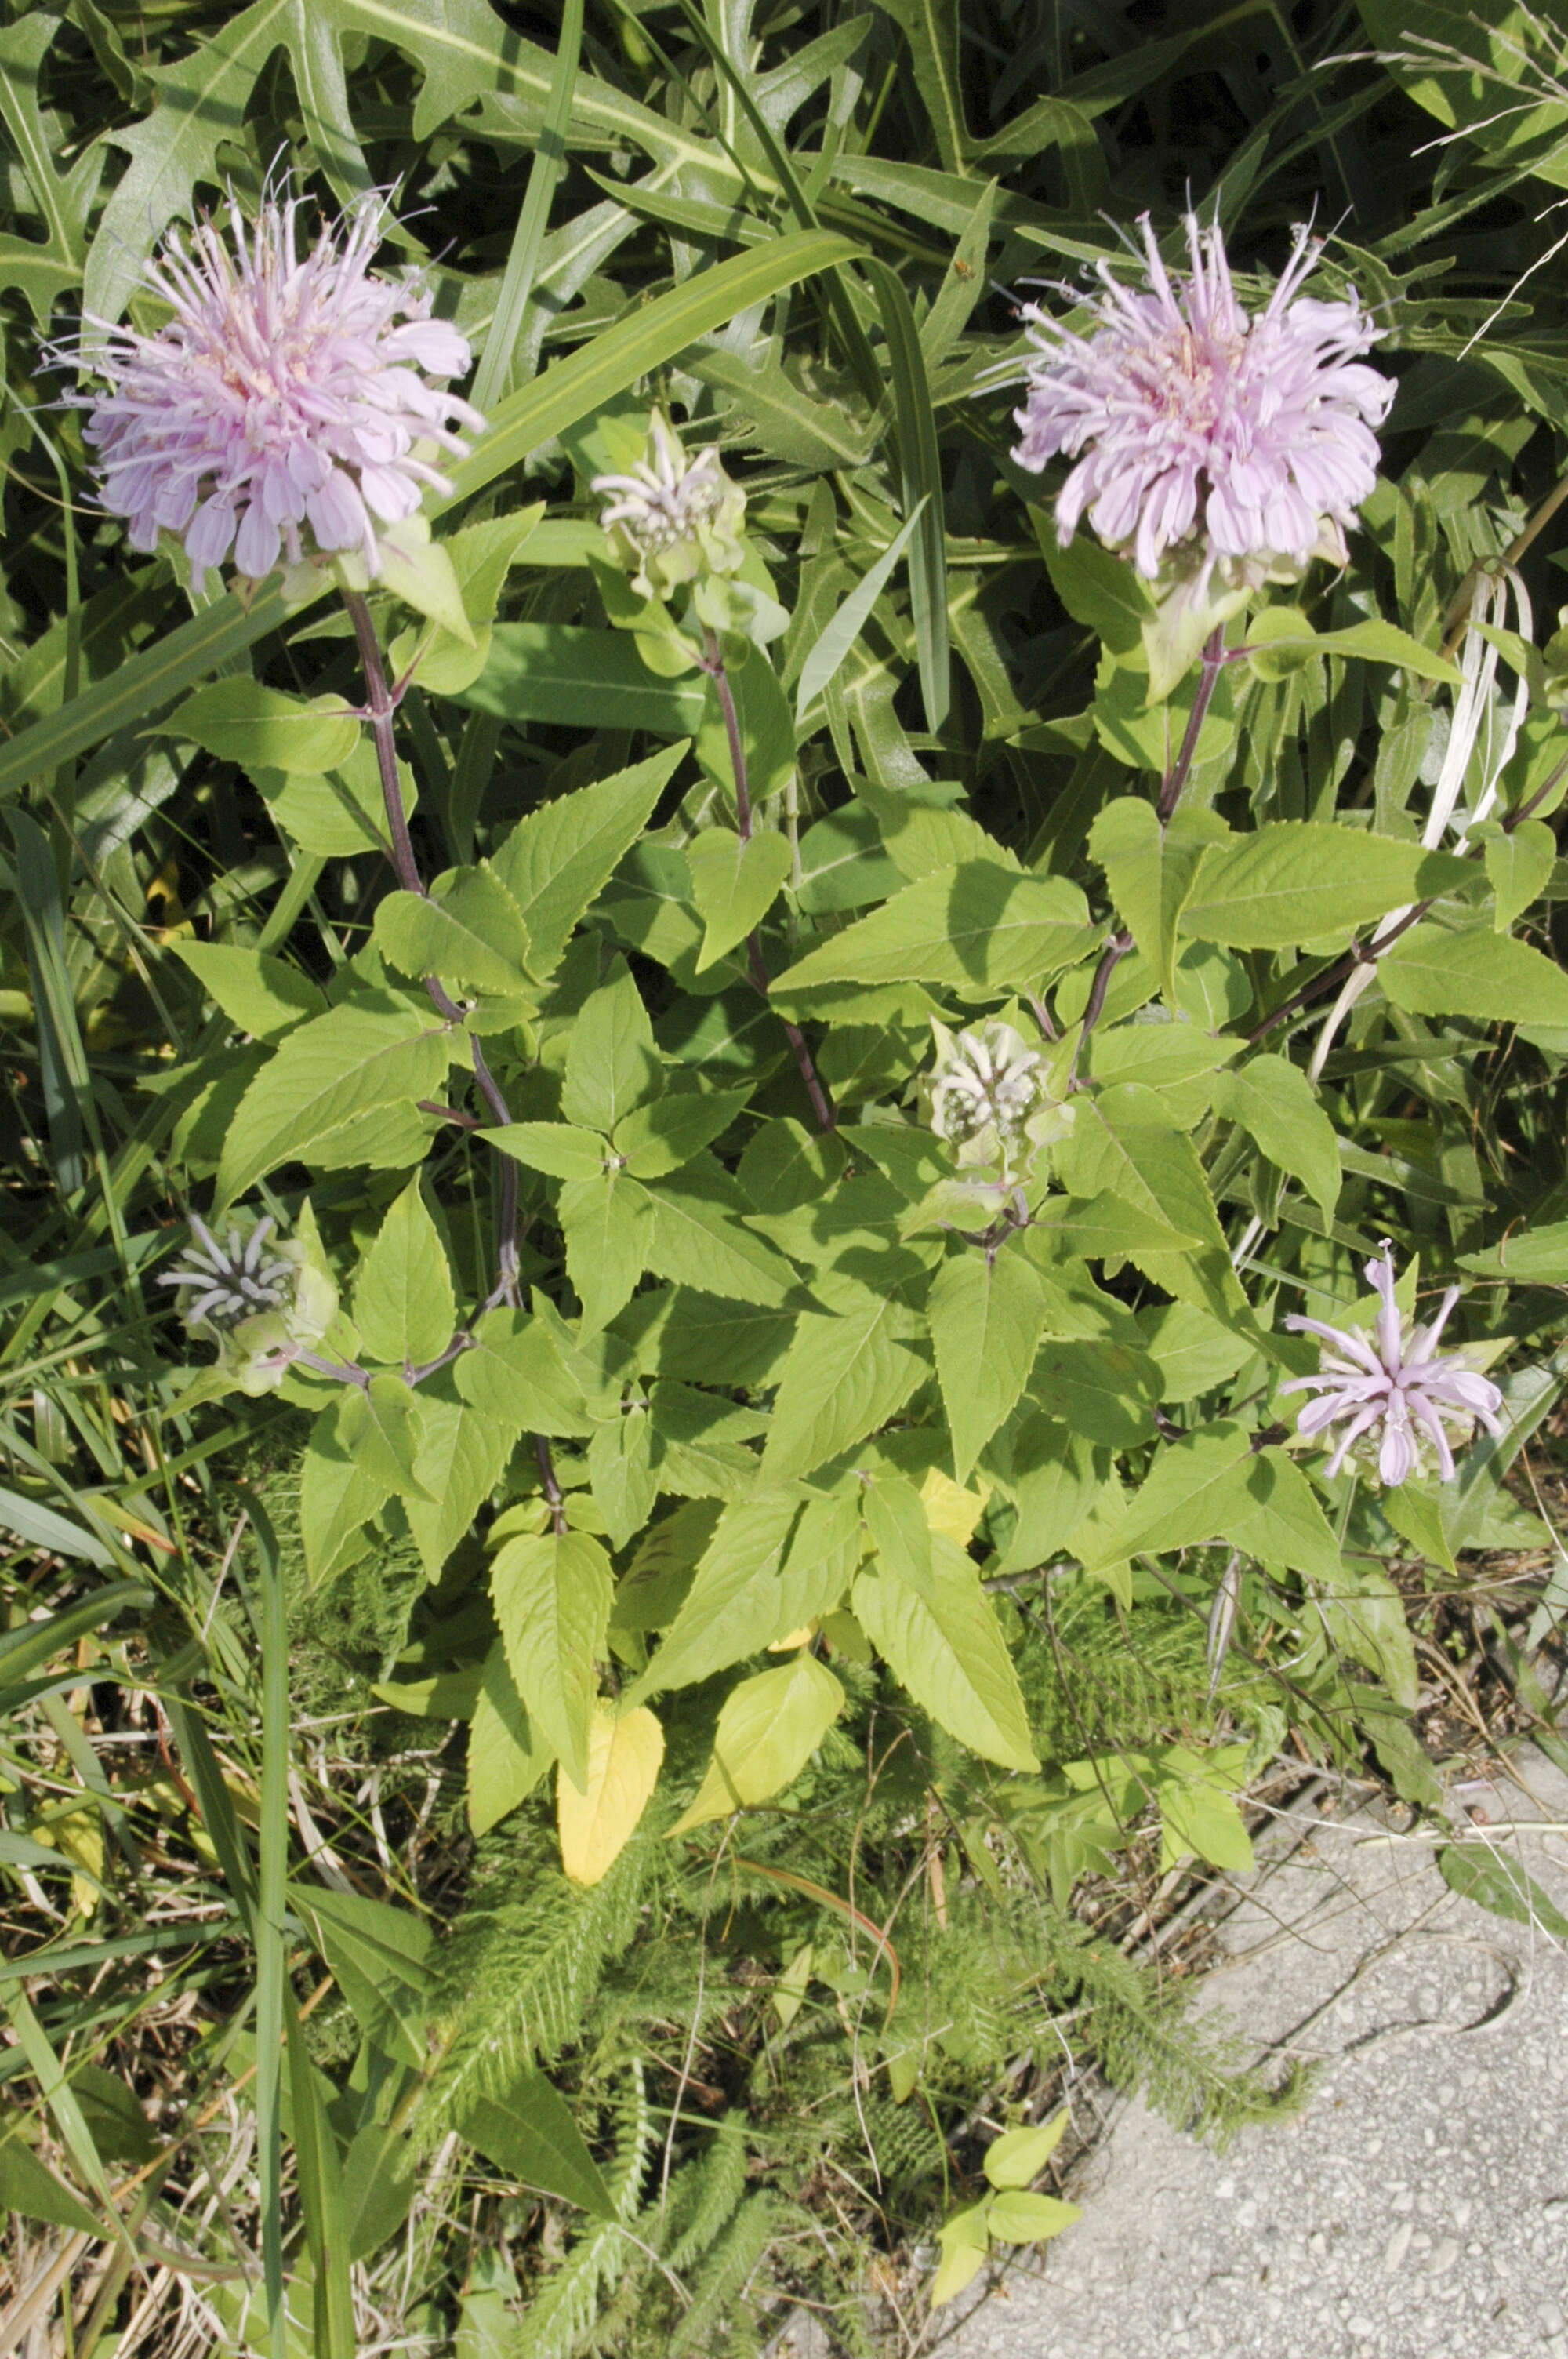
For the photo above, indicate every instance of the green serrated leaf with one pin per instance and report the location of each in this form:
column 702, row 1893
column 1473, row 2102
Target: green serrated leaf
column 611, row 1062
column 470, row 932
column 462, row 1456
column 975, row 927
column 986, row 1317
column 381, row 1428
column 923, row 1610
column 507, row 1755
column 845, row 1375
column 772, row 1566
column 552, row 1598
column 734, row 884
column 1150, row 870
column 241, row 720
column 579, row 679
column 514, row 1373
column 1302, row 881
column 404, row 1305
column 606, row 1221
column 659, row 1138
column 555, row 862
column 559, row 1148
column 372, row 1052
column 1518, row 862
column 1433, row 971
column 698, row 1240
column 337, row 1496
column 1274, row 1101
column 620, row 1473
column 261, row 995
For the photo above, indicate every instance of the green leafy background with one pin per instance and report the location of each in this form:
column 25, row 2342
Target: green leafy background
column 958, row 1573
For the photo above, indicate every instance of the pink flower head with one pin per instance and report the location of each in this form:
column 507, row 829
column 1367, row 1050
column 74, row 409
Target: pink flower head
column 284, row 392
column 1389, row 1379
column 1192, row 419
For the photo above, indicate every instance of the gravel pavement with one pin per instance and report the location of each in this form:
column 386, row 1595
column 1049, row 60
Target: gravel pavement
column 1418, row 2207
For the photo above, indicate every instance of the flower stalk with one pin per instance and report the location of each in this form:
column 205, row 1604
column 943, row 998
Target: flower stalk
column 817, row 1089
column 382, row 711
column 1176, row 777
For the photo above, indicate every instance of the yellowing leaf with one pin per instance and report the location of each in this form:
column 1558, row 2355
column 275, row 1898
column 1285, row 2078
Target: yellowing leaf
column 792, row 1639
column 1023, row 2219
column 623, row 1758
column 964, row 2240
column 1019, row 2157
column 767, row 1732
column 951, row 1510
column 78, row 1833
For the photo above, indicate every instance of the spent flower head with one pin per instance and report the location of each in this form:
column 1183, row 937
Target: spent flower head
column 285, row 406
column 1390, row 1389
column 990, row 1095
column 1242, row 441
column 671, row 520
column 262, row 1298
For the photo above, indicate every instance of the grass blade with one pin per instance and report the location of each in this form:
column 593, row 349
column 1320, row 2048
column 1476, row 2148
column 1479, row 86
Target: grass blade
column 269, row 1929
column 320, row 2181
column 494, row 379
column 840, row 634
column 920, row 467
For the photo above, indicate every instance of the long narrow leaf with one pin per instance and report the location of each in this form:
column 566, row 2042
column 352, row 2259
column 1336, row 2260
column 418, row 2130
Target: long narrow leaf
column 320, row 2181
column 840, row 301
column 62, row 1059
column 827, row 652
column 269, row 1928
column 920, row 467
column 493, row 378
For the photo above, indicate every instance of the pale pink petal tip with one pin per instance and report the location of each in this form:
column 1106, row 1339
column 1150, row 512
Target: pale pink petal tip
column 1191, row 420
column 281, row 405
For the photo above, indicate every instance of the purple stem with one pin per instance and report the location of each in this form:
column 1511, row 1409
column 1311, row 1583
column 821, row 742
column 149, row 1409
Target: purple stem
column 1358, row 954
column 461, row 1342
column 815, row 1087
column 551, row 1486
column 1110, row 957
column 714, row 666
column 382, row 710
column 1176, row 777
column 348, row 1372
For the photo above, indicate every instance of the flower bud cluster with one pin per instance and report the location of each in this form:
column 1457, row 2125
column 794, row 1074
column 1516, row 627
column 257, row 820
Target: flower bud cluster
column 262, row 1299
column 672, row 520
column 990, row 1096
